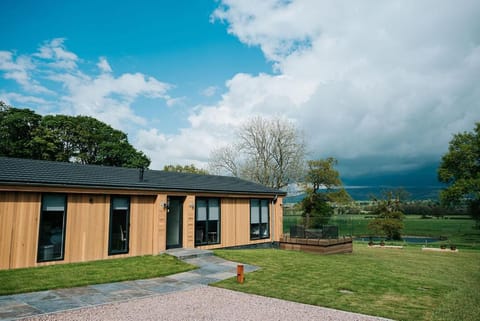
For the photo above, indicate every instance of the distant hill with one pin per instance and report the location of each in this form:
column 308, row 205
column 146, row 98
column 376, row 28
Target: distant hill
column 421, row 183
column 364, row 193
column 423, row 176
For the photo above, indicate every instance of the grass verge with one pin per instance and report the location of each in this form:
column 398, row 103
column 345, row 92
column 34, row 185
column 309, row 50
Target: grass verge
column 96, row 272
column 403, row 284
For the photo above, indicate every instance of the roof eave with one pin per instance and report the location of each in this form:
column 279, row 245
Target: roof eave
column 146, row 188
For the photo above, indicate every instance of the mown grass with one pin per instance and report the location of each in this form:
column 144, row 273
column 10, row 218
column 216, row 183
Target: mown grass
column 96, row 272
column 403, row 284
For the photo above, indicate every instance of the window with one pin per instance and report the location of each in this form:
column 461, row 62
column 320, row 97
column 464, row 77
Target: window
column 259, row 219
column 119, row 225
column 51, row 236
column 207, row 221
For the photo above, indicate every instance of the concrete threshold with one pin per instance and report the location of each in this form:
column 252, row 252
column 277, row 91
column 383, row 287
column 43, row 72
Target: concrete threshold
column 184, row 254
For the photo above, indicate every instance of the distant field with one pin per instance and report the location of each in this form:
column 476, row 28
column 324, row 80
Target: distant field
column 457, row 230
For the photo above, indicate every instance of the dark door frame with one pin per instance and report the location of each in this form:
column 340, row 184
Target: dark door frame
column 180, row 200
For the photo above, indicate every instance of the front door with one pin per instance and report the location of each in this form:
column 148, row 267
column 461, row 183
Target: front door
column 174, row 222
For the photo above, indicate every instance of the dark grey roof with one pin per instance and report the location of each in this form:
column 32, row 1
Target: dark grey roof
column 15, row 171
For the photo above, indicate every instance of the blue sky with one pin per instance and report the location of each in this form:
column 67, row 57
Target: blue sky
column 382, row 86
column 173, row 41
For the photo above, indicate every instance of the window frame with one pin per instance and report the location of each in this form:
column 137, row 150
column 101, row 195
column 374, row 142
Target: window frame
column 260, row 221
column 207, row 220
column 40, row 225
column 127, row 228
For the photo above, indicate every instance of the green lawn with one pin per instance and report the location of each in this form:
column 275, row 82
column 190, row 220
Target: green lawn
column 403, row 284
column 79, row 274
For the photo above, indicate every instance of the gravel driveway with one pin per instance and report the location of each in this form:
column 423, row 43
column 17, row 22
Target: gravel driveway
column 206, row 303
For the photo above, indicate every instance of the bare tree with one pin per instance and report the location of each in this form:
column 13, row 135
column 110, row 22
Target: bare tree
column 224, row 160
column 269, row 152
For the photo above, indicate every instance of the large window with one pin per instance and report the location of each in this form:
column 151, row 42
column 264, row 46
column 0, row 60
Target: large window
column 207, row 221
column 259, row 219
column 51, row 236
column 119, row 225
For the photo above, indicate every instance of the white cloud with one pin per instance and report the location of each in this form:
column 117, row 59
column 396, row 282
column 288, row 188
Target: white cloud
column 209, row 91
column 174, row 101
column 103, row 65
column 379, row 82
column 19, row 70
column 186, row 148
column 104, row 96
column 55, row 52
column 9, row 97
column 366, row 79
column 109, row 98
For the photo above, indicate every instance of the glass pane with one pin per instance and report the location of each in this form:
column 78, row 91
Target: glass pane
column 173, row 223
column 213, row 209
column 213, row 231
column 264, row 230
column 200, row 232
column 207, row 221
column 264, row 211
column 254, row 231
column 53, row 202
column 119, row 231
column 51, row 236
column 201, row 210
column 120, row 203
column 254, row 212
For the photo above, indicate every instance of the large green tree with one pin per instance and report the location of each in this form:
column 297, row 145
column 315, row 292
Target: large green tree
column 324, row 187
column 460, row 169
column 16, row 131
column 86, row 140
column 78, row 139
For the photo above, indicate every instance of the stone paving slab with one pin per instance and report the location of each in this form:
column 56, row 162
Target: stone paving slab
column 13, row 310
column 222, row 275
column 211, row 269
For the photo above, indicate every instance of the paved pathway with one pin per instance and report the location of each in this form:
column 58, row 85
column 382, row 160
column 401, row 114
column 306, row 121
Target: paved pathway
column 211, row 269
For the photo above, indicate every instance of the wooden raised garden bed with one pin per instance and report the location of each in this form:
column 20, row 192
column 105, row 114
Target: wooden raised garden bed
column 320, row 246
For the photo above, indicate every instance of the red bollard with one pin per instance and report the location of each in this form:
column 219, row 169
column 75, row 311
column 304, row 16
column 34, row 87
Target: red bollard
column 240, row 276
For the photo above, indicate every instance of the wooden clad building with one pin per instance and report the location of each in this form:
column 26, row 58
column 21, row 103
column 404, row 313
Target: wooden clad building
column 54, row 212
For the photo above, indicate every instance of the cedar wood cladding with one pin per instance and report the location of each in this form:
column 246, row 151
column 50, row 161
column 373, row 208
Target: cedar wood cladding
column 89, row 190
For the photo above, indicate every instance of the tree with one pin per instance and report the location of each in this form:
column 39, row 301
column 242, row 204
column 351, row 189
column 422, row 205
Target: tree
column 86, row 140
column 16, row 131
column 78, row 139
column 460, row 169
column 316, row 208
column 56, row 138
column 389, row 219
column 269, row 152
column 225, row 160
column 185, row 169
